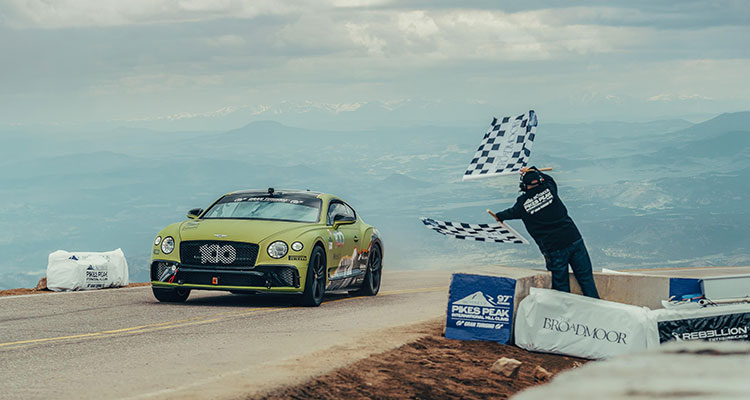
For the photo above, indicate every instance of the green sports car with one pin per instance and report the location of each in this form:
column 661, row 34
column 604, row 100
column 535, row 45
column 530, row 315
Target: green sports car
column 286, row 241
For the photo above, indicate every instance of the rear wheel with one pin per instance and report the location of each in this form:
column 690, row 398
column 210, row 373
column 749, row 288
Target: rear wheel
column 171, row 295
column 371, row 285
column 315, row 281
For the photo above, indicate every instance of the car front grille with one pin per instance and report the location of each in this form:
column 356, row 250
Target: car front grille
column 218, row 254
column 264, row 276
column 280, row 276
column 161, row 271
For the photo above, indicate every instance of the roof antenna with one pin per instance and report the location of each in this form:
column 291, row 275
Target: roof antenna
column 270, row 192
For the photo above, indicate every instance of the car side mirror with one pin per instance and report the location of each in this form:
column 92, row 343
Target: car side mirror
column 194, row 213
column 339, row 220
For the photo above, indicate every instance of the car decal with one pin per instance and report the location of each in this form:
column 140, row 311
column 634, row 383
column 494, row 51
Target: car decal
column 336, row 238
column 216, row 254
column 354, row 264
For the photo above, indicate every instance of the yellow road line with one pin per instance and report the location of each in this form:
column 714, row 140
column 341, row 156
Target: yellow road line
column 145, row 328
column 200, row 320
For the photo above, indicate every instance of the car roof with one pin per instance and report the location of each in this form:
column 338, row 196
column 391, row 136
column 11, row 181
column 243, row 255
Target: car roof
column 280, row 192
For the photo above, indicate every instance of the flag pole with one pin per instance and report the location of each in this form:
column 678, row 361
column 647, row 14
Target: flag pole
column 493, row 215
column 523, row 170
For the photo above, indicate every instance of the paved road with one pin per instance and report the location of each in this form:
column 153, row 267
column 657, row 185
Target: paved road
column 121, row 343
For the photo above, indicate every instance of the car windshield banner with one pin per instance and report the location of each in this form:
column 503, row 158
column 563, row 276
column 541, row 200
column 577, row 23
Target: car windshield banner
column 258, row 206
column 480, row 308
column 304, row 200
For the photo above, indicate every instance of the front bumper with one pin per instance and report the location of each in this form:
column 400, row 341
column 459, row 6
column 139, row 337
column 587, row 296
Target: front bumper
column 261, row 278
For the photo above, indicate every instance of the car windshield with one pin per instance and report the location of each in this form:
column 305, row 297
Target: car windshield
column 277, row 208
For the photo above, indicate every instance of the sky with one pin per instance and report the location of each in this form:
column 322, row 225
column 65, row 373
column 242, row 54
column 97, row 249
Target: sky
column 78, row 62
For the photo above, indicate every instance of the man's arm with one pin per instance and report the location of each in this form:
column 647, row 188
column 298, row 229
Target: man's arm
column 515, row 212
column 548, row 179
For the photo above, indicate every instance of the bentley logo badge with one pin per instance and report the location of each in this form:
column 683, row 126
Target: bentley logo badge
column 220, row 235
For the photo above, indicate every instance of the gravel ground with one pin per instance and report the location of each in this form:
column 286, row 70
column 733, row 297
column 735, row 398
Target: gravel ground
column 432, row 368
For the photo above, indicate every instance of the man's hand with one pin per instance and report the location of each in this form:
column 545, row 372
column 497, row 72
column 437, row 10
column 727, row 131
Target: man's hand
column 494, row 216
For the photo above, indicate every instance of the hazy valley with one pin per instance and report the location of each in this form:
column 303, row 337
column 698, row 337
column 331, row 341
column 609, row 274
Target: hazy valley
column 662, row 193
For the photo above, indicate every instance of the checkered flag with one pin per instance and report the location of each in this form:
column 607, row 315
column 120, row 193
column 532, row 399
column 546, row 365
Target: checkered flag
column 498, row 233
column 505, row 148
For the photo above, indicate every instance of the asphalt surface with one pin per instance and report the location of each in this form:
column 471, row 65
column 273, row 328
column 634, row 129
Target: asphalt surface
column 122, row 343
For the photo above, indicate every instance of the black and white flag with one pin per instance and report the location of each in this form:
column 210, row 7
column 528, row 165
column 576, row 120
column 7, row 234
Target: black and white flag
column 498, row 232
column 505, row 148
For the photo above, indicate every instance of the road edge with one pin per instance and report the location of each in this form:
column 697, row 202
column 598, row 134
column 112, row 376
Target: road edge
column 257, row 381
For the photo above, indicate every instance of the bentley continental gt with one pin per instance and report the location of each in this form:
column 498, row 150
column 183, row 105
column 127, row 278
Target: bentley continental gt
column 293, row 242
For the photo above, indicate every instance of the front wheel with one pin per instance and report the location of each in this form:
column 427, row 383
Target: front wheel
column 171, row 295
column 315, row 281
column 371, row 284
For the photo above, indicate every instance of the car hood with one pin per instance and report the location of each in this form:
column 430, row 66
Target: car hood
column 253, row 231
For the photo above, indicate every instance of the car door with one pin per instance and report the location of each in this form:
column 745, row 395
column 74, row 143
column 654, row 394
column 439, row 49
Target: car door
column 343, row 244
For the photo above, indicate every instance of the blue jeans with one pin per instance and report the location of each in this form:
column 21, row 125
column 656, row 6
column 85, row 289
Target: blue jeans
column 578, row 258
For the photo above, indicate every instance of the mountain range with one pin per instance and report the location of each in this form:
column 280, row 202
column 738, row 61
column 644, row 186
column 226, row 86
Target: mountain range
column 662, row 193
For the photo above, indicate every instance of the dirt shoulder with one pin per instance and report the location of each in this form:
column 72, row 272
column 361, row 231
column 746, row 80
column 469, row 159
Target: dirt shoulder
column 431, row 367
column 23, row 291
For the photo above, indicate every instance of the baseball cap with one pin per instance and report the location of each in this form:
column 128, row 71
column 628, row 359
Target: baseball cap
column 532, row 177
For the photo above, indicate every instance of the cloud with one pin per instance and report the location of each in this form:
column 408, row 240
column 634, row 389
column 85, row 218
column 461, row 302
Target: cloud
column 417, row 23
column 359, row 3
column 107, row 13
column 420, row 38
column 513, row 36
column 225, row 41
column 663, row 14
column 361, row 35
column 160, row 57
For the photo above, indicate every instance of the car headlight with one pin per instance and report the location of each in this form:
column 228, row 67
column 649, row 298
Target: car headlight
column 167, row 245
column 297, row 246
column 157, row 240
column 277, row 249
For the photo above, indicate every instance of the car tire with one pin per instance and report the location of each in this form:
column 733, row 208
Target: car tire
column 315, row 281
column 371, row 284
column 175, row 295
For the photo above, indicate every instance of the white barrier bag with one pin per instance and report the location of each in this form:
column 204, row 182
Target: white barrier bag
column 714, row 324
column 556, row 322
column 86, row 270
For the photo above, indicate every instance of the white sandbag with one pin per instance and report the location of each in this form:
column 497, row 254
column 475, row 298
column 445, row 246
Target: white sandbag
column 729, row 322
column 86, row 270
column 556, row 322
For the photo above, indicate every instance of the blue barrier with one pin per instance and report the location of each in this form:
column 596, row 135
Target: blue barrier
column 685, row 289
column 480, row 308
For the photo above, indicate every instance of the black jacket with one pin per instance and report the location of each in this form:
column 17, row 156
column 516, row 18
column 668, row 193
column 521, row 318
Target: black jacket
column 545, row 216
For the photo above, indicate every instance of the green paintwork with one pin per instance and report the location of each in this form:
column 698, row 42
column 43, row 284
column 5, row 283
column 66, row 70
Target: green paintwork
column 263, row 233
